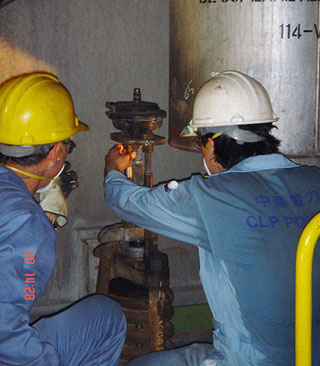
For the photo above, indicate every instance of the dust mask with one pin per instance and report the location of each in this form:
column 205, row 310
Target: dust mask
column 43, row 189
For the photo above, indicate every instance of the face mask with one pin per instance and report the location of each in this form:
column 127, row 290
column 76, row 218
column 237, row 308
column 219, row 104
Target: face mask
column 43, row 189
column 206, row 167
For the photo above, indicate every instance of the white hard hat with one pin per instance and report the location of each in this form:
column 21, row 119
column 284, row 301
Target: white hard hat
column 230, row 98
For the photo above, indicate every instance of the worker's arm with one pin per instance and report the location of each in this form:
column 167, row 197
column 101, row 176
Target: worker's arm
column 173, row 213
column 26, row 248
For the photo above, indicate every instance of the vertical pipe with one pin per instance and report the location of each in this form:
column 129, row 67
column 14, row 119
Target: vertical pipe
column 129, row 170
column 138, row 176
column 303, row 322
column 148, row 178
column 149, row 237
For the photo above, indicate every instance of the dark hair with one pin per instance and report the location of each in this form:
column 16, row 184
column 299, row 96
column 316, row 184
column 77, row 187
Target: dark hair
column 228, row 153
column 29, row 160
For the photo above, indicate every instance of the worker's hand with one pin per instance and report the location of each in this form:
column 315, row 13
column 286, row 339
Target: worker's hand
column 118, row 159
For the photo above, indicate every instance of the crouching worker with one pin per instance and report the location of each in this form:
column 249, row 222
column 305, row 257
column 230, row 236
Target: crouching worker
column 37, row 121
column 246, row 218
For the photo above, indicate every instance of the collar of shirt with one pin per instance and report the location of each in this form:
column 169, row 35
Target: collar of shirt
column 263, row 162
column 14, row 178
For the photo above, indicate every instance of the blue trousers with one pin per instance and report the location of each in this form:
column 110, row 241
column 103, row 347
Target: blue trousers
column 89, row 333
column 197, row 354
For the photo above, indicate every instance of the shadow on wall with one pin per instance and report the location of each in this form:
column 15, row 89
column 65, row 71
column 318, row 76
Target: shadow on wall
column 19, row 62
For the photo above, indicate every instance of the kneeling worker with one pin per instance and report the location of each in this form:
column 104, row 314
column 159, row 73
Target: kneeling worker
column 246, row 219
column 37, row 121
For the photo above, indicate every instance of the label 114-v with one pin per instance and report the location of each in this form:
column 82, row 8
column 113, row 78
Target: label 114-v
column 288, row 31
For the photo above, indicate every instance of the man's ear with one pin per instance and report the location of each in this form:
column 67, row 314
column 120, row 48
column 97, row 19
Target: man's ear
column 55, row 152
column 211, row 146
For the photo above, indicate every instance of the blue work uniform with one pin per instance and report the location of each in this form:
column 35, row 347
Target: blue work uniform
column 91, row 332
column 246, row 222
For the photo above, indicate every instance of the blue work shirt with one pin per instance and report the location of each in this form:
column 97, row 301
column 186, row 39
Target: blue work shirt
column 27, row 247
column 247, row 222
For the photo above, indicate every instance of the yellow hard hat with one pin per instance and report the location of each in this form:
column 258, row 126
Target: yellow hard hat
column 36, row 109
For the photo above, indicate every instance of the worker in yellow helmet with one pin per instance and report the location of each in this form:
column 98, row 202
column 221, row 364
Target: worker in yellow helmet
column 37, row 123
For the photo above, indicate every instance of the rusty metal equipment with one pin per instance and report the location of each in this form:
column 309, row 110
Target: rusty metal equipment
column 132, row 270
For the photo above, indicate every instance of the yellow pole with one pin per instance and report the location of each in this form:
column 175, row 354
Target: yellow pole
column 303, row 323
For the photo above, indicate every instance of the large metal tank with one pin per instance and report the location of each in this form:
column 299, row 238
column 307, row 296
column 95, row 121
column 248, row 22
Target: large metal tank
column 274, row 41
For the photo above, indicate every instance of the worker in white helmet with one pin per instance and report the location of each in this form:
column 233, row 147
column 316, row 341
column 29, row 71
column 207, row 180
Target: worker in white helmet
column 37, row 123
column 246, row 220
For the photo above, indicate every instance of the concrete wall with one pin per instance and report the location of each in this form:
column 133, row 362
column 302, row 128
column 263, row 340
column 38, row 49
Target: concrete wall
column 100, row 50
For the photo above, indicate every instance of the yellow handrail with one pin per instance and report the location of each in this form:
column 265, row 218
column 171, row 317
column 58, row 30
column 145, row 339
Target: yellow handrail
column 303, row 322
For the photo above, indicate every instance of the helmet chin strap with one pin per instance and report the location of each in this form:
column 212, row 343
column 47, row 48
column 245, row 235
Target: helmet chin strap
column 206, row 167
column 45, row 188
column 30, row 175
column 27, row 174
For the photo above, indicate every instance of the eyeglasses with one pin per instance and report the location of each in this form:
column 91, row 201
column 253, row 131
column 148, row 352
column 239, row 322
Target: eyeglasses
column 70, row 145
column 202, row 140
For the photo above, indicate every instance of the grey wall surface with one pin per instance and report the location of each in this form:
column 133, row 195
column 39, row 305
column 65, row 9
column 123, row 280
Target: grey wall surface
column 100, row 50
